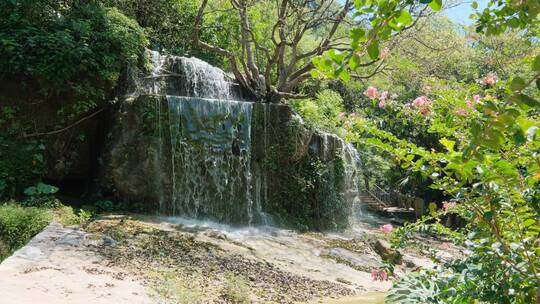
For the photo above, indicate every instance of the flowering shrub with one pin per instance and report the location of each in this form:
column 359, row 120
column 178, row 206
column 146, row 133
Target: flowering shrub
column 490, row 167
column 490, row 79
column 423, row 104
column 487, row 162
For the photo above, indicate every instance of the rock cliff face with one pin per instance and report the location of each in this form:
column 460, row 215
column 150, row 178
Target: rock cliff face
column 183, row 144
column 280, row 172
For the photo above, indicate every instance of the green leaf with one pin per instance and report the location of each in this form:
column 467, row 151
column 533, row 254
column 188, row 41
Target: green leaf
column 474, row 5
column 373, row 50
column 536, row 64
column 354, row 62
column 518, row 84
column 404, row 18
column 30, row 191
column 357, row 33
column 528, row 223
column 527, row 100
column 448, row 144
column 344, row 75
column 46, row 189
column 436, row 5
column 337, row 56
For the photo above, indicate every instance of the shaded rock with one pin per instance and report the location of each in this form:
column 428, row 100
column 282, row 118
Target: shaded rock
column 383, row 248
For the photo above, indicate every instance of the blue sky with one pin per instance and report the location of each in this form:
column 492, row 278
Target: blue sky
column 460, row 13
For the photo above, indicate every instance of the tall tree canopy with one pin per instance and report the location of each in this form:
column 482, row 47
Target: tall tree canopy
column 279, row 40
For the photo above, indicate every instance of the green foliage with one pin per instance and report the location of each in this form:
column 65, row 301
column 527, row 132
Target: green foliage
column 386, row 18
column 169, row 26
column 41, row 196
column 488, row 164
column 486, row 161
column 18, row 225
column 70, row 55
column 40, row 189
column 85, row 216
column 21, row 164
column 499, row 16
column 323, row 112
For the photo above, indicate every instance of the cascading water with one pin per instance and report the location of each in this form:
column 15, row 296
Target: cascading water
column 351, row 187
column 205, row 167
column 210, row 158
column 208, row 144
column 204, row 80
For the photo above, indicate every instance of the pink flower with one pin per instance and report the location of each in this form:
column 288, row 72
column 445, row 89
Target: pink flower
column 342, row 114
column 476, row 97
column 353, row 114
column 490, row 79
column 387, row 228
column 448, row 205
column 371, row 92
column 380, row 275
column 384, row 95
column 469, row 103
column 462, row 112
column 383, row 98
column 423, row 104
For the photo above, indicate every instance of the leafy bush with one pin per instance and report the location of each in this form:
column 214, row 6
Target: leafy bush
column 21, row 164
column 169, row 26
column 85, row 216
column 322, row 112
column 41, row 195
column 68, row 51
column 18, row 225
column 488, row 165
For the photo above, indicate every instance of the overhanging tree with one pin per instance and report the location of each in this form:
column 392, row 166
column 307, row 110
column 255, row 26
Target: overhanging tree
column 271, row 67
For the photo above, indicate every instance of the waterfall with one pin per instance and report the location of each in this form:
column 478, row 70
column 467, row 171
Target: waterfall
column 352, row 178
column 204, row 141
column 205, row 80
column 204, row 162
column 210, row 143
column 182, row 76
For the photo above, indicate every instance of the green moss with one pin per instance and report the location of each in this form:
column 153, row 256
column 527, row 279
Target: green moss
column 308, row 195
column 147, row 107
column 304, row 190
